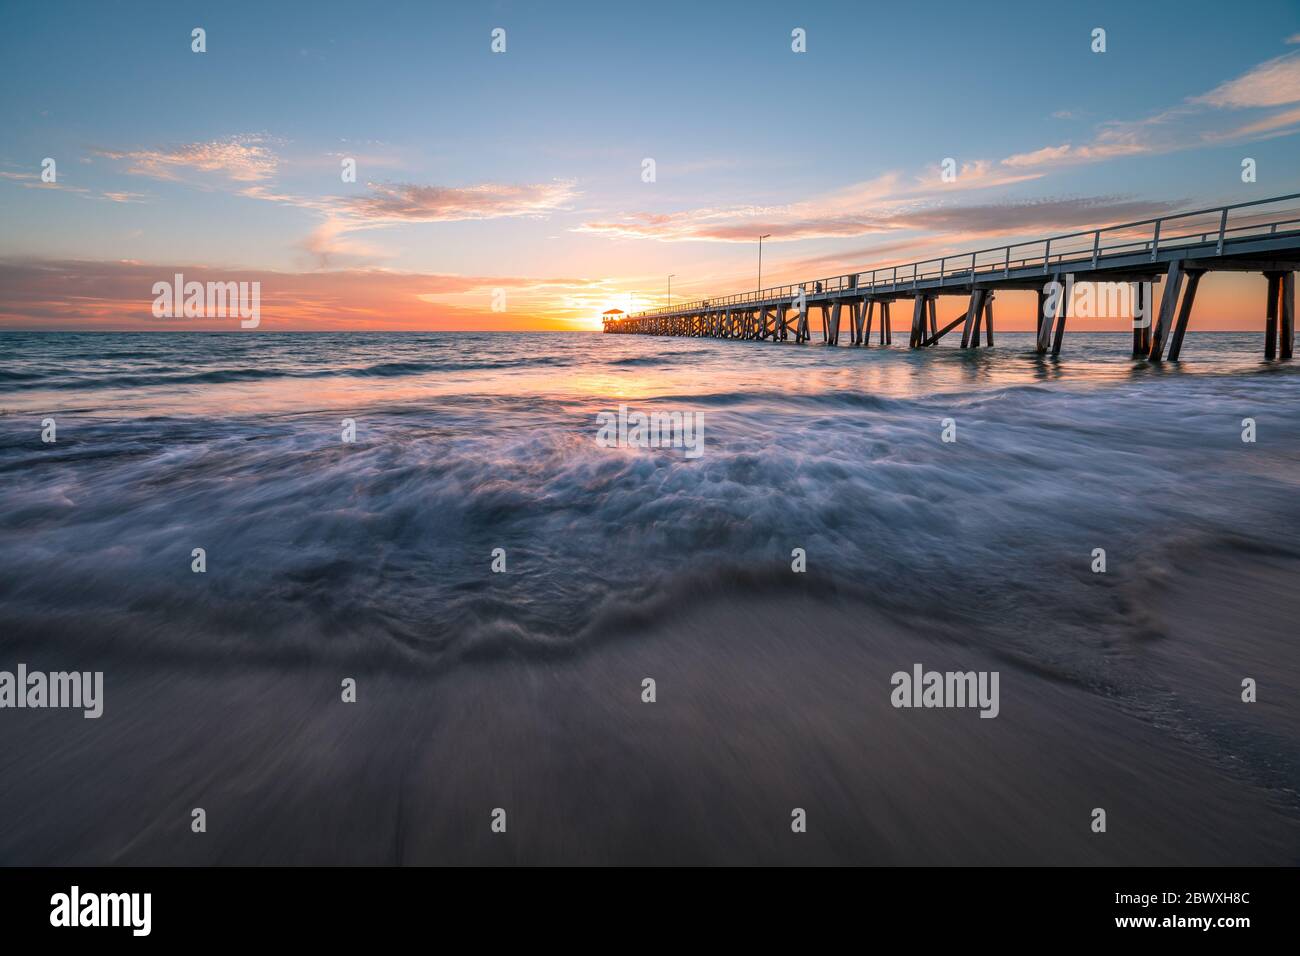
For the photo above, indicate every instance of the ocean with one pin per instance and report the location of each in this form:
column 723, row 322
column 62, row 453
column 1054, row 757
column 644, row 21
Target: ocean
column 499, row 585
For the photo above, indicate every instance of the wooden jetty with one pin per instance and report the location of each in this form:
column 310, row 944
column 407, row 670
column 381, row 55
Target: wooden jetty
column 1260, row 236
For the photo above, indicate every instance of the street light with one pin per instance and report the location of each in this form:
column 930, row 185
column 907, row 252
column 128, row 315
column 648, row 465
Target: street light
column 760, row 261
column 670, row 289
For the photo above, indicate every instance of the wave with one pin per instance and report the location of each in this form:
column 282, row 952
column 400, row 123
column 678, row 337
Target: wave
column 61, row 381
column 392, row 536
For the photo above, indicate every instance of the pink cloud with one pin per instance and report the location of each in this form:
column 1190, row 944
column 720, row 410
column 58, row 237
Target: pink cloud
column 1271, row 84
column 238, row 158
column 1275, row 124
column 1274, row 83
column 405, row 201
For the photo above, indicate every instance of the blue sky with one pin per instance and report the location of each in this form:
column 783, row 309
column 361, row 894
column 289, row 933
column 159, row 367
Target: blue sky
column 524, row 168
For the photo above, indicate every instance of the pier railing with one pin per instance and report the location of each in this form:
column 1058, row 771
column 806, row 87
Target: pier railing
column 1218, row 225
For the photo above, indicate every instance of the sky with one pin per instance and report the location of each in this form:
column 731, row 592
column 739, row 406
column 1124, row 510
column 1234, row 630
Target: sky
column 508, row 190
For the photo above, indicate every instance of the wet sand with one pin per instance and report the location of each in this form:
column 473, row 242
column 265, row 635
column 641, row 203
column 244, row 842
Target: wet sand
column 763, row 706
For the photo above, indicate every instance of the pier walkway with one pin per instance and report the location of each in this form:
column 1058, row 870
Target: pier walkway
column 1125, row 260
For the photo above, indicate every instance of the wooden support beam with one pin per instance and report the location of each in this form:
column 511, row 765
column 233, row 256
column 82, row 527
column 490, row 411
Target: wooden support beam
column 1038, row 321
column 868, row 308
column 1142, row 314
column 835, row 322
column 944, row 331
column 934, row 320
column 1062, row 311
column 1270, row 322
column 1288, row 314
column 988, row 319
column 918, row 318
column 1184, row 314
column 886, row 324
column 972, row 310
column 1048, row 319
column 1168, row 302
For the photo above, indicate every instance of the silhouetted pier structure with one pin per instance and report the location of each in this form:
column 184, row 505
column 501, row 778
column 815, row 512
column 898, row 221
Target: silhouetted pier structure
column 1261, row 236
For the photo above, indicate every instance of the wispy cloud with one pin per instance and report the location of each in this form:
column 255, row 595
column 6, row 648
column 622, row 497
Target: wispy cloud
column 1275, row 83
column 34, row 181
column 242, row 159
column 865, row 208
column 413, row 203
column 1038, row 215
column 1194, row 122
column 1275, row 124
column 248, row 165
column 123, row 196
column 1109, row 144
column 333, row 244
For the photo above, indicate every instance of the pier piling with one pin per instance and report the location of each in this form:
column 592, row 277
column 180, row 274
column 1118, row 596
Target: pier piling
column 1271, row 313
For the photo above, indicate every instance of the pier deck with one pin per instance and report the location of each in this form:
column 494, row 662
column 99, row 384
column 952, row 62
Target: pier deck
column 1260, row 236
